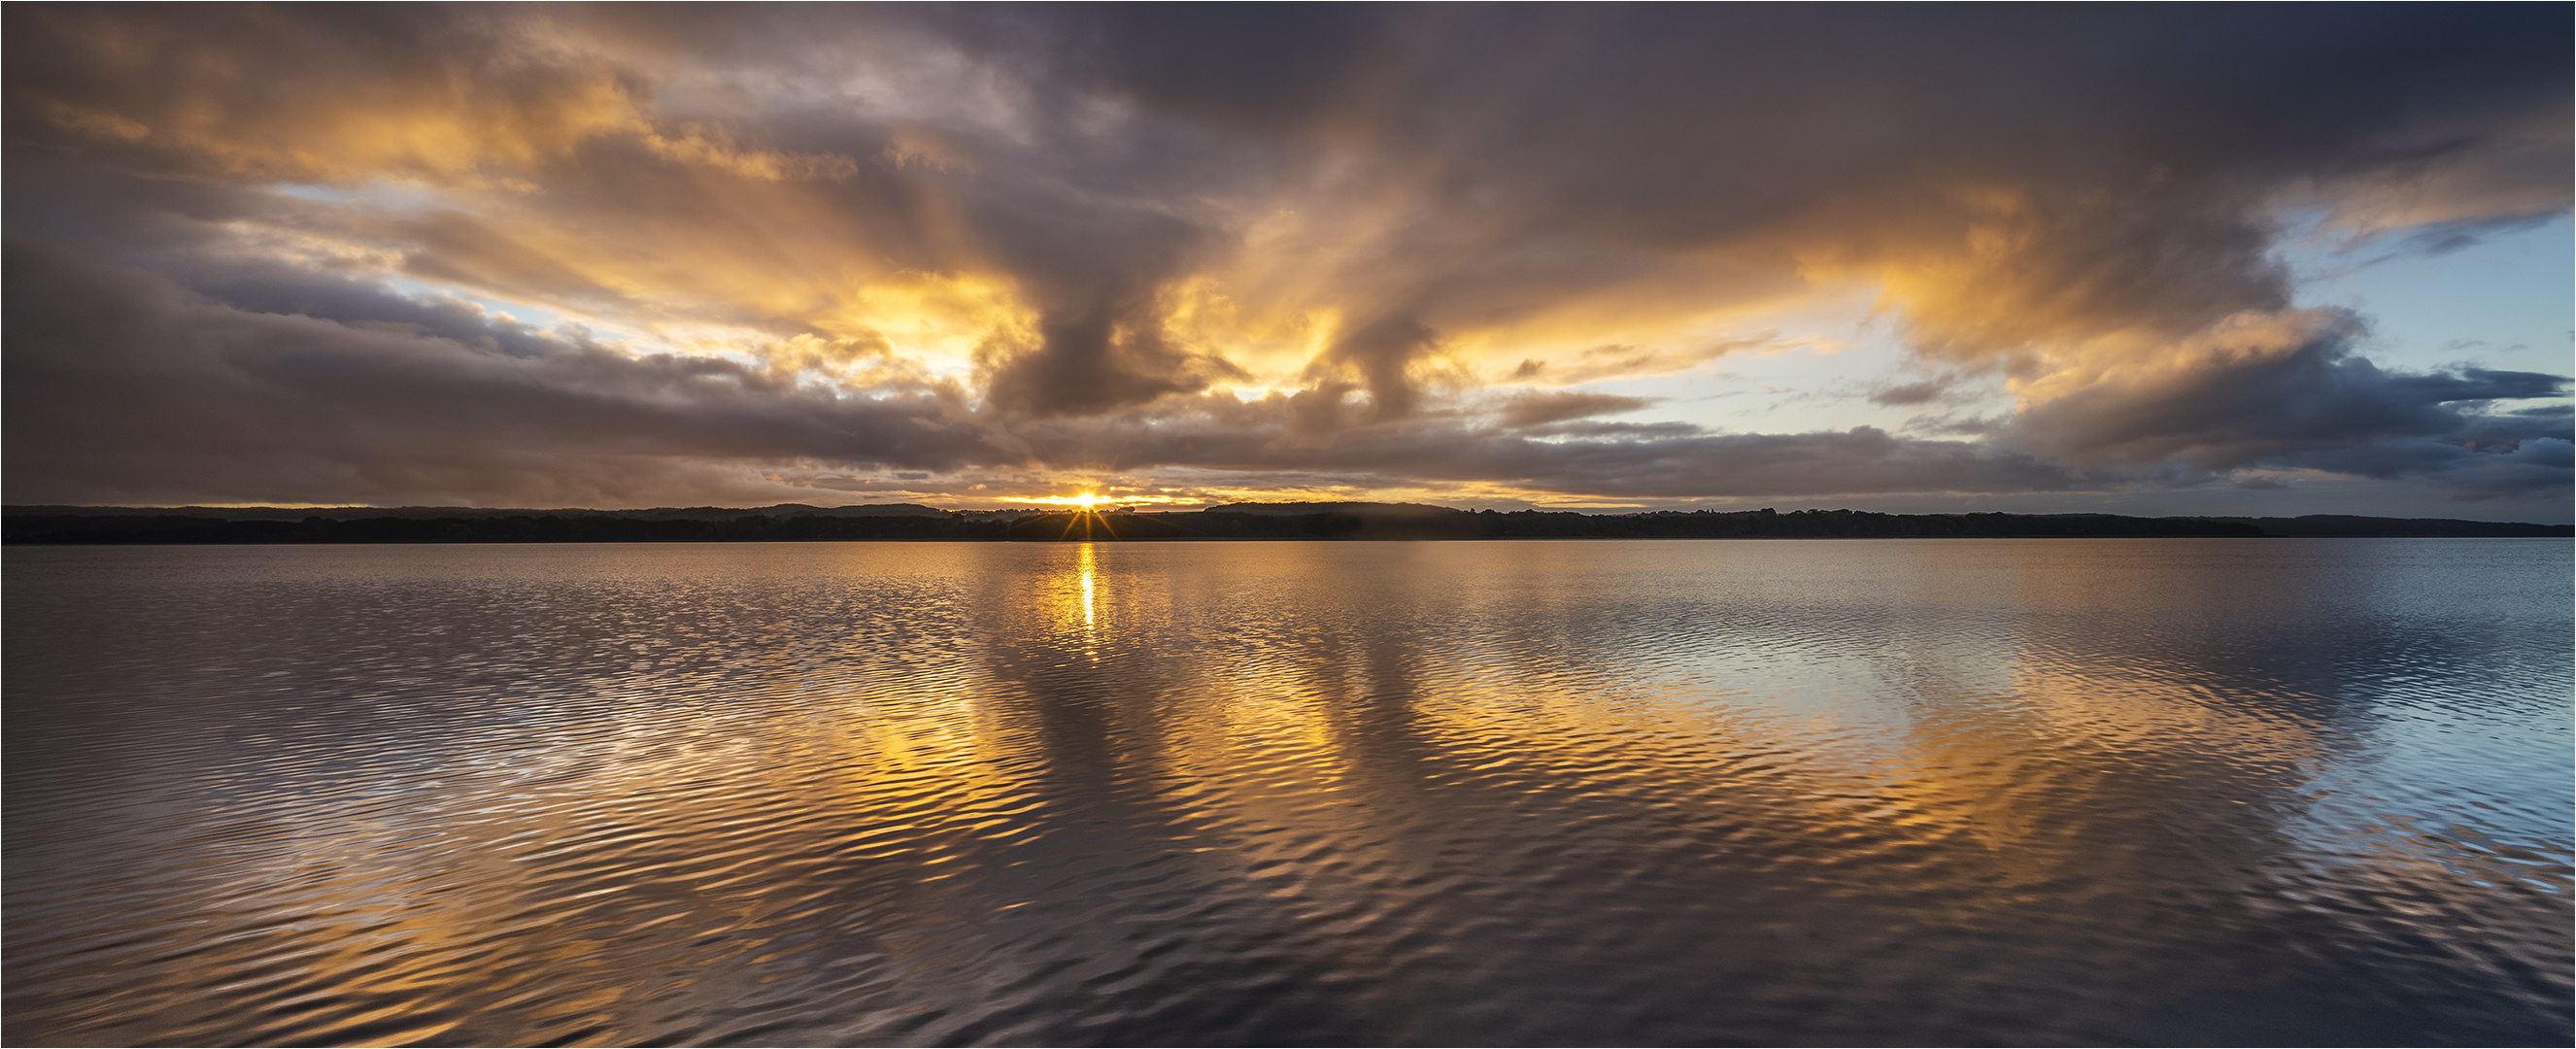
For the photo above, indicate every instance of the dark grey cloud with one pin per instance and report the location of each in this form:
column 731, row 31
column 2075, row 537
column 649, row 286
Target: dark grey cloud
column 145, row 392
column 1922, row 392
column 1538, row 409
column 1097, row 361
column 2321, row 406
column 1381, row 353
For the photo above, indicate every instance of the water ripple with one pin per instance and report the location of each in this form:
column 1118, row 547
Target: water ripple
column 1496, row 793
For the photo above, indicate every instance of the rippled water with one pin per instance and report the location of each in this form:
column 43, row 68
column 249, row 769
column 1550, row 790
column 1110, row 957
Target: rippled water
column 1494, row 793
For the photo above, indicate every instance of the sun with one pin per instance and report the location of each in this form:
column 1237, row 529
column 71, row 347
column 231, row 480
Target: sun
column 1086, row 501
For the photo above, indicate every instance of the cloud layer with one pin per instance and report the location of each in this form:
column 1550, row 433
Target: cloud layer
column 617, row 256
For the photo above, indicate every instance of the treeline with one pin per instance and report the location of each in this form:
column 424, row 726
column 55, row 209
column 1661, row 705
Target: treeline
column 2349, row 526
column 550, row 528
column 1218, row 523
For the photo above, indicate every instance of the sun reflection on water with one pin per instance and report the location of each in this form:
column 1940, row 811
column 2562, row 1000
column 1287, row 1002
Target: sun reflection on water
column 1089, row 566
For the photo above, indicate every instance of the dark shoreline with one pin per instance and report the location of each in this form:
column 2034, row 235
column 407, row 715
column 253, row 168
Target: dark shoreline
column 268, row 525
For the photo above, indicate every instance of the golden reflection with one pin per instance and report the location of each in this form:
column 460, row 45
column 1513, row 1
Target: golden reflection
column 1072, row 597
column 400, row 915
column 1089, row 565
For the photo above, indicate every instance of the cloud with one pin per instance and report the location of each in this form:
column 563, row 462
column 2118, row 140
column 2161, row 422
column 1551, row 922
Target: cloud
column 1924, row 392
column 149, row 393
column 2314, row 404
column 1522, row 410
column 1381, row 355
column 1109, row 357
column 949, row 240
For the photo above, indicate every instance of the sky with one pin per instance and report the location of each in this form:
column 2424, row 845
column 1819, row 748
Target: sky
column 2242, row 260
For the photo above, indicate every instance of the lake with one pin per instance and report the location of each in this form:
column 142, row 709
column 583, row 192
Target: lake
column 1500, row 793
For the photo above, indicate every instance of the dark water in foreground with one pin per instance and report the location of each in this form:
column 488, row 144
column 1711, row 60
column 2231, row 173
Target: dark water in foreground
column 1499, row 793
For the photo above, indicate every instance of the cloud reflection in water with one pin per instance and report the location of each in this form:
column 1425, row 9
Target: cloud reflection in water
column 2075, row 791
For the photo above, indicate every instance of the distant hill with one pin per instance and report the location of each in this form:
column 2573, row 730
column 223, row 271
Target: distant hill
column 796, row 522
column 1413, row 521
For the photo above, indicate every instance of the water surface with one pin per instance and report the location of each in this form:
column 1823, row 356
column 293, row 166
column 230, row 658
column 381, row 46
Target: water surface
column 1979, row 791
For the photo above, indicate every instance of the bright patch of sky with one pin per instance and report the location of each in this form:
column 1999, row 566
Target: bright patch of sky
column 1833, row 352
column 400, row 198
column 539, row 317
column 2507, row 302
column 713, row 340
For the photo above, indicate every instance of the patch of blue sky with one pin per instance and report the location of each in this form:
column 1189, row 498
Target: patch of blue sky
column 2507, row 301
column 540, row 317
column 380, row 195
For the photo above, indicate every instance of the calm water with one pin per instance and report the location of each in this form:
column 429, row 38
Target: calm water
column 2162, row 791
